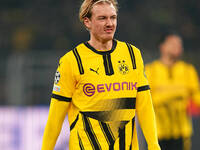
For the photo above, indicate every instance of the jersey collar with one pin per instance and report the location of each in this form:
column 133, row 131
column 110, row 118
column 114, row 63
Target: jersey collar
column 102, row 52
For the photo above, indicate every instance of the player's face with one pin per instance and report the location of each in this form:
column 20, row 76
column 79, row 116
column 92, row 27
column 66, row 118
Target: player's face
column 172, row 47
column 103, row 22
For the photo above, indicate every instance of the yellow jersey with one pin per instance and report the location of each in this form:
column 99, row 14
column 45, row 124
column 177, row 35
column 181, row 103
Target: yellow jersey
column 171, row 89
column 102, row 91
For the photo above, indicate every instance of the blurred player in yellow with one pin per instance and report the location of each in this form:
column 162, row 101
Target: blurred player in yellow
column 173, row 82
column 101, row 85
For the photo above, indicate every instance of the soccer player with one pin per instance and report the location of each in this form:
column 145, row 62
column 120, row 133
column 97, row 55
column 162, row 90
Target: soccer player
column 101, row 85
column 173, row 82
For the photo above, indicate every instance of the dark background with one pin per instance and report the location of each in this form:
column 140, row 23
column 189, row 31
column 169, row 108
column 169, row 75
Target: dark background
column 39, row 25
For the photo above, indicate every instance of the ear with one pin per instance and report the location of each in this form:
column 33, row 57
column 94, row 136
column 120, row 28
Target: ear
column 87, row 23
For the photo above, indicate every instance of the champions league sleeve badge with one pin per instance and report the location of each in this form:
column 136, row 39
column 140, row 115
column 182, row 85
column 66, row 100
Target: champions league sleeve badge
column 57, row 77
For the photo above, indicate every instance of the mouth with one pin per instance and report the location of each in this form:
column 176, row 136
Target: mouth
column 110, row 30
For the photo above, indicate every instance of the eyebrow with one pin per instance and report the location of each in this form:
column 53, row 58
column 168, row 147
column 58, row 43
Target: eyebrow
column 106, row 16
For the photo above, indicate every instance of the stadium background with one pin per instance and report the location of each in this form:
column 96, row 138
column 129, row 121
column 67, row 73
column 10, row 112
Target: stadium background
column 35, row 34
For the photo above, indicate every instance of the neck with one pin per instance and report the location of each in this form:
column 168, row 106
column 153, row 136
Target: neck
column 101, row 45
column 167, row 61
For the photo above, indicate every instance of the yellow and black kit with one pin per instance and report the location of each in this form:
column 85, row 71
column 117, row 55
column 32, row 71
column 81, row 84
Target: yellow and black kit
column 101, row 91
column 171, row 89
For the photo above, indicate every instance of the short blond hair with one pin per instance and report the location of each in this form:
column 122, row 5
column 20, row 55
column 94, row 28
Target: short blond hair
column 87, row 5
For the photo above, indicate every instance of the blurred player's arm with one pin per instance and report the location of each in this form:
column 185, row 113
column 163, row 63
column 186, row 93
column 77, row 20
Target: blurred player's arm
column 57, row 112
column 193, row 84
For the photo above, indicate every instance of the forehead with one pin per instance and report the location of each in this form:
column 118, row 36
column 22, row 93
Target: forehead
column 173, row 38
column 104, row 9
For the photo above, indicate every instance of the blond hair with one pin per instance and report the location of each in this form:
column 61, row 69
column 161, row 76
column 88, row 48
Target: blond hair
column 87, row 5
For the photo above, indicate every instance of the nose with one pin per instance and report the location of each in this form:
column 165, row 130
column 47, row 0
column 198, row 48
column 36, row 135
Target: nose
column 109, row 22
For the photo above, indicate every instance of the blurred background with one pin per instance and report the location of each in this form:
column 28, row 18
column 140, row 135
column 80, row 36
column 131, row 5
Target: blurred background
column 35, row 34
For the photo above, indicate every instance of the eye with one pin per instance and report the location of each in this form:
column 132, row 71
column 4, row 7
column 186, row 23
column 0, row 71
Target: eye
column 101, row 17
column 113, row 17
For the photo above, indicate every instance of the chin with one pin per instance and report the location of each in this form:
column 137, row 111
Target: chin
column 108, row 38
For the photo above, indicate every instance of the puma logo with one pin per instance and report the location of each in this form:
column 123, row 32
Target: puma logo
column 94, row 70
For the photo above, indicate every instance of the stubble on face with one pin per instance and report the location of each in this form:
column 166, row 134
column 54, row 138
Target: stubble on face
column 103, row 22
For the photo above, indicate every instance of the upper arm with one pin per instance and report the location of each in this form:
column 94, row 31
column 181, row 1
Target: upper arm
column 142, row 78
column 64, row 84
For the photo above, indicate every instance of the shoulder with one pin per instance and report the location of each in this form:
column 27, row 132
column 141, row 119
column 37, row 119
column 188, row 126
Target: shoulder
column 152, row 64
column 188, row 69
column 70, row 55
column 66, row 57
column 186, row 65
column 131, row 47
column 127, row 44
